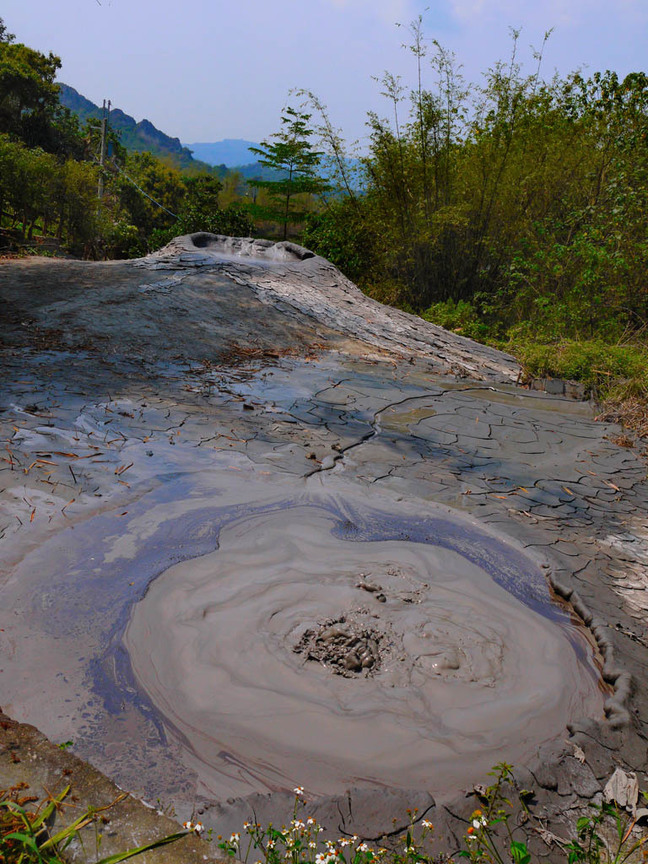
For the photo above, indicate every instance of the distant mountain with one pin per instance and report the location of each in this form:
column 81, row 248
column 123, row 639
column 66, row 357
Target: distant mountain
column 138, row 137
column 230, row 152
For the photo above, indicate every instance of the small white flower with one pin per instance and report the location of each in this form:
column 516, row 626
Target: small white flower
column 310, row 821
column 471, row 837
column 312, row 845
column 296, row 823
column 271, row 844
column 409, row 850
column 198, row 827
column 363, row 847
column 298, row 790
column 478, row 823
column 234, row 838
column 188, row 826
column 426, row 824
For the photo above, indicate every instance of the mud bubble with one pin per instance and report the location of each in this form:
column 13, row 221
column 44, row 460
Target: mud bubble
column 344, row 646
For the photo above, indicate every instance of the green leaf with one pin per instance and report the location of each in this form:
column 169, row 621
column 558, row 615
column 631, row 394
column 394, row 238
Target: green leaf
column 25, row 839
column 123, row 856
column 520, row 853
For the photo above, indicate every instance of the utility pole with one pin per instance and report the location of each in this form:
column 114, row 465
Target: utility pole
column 102, row 152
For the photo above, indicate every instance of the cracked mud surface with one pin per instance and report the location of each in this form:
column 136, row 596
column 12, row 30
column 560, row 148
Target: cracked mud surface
column 151, row 410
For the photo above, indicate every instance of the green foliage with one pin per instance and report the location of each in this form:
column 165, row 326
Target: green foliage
column 5, row 35
column 342, row 234
column 601, row 367
column 36, row 186
column 290, row 154
column 524, row 198
column 592, row 846
column 460, row 317
column 27, row 835
column 143, row 186
column 28, row 94
column 200, row 211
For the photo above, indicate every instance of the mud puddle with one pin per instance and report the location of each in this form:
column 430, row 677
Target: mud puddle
column 232, row 627
column 173, row 633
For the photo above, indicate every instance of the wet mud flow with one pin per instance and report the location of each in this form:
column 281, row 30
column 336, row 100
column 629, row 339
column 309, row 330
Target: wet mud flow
column 273, row 554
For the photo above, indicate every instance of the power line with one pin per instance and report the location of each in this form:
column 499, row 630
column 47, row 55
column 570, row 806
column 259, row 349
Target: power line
column 145, row 194
column 102, row 152
column 102, row 161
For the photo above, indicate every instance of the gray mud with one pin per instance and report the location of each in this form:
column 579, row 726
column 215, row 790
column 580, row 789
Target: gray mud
column 199, row 534
column 465, row 668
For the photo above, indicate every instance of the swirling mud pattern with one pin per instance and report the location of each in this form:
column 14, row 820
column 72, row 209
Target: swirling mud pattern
column 331, row 644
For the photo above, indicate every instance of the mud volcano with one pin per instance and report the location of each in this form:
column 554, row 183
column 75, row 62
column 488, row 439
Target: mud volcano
column 332, row 644
column 259, row 531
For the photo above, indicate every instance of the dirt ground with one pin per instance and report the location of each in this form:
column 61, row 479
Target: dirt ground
column 160, row 418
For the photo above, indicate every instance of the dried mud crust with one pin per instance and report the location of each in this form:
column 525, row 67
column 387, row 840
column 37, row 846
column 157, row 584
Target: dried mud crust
column 305, row 285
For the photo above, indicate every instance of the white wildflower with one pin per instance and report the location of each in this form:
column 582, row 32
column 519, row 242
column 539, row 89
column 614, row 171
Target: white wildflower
column 298, row 790
column 234, row 838
column 427, row 824
column 363, row 847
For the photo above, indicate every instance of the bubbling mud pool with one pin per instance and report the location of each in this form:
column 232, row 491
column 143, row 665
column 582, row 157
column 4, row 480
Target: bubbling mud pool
column 333, row 645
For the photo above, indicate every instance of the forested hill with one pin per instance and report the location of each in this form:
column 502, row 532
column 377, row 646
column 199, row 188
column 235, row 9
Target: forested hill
column 138, row 137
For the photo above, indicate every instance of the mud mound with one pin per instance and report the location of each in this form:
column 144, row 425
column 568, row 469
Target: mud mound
column 344, row 646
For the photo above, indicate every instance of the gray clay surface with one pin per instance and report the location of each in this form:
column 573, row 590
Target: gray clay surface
column 259, row 531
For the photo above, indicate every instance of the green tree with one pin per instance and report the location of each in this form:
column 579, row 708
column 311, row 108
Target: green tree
column 5, row 36
column 201, row 211
column 28, row 94
column 291, row 154
column 150, row 192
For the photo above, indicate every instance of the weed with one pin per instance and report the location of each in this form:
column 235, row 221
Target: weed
column 489, row 838
column 26, row 835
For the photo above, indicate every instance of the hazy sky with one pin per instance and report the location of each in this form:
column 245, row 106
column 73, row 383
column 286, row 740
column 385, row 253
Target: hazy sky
column 209, row 69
